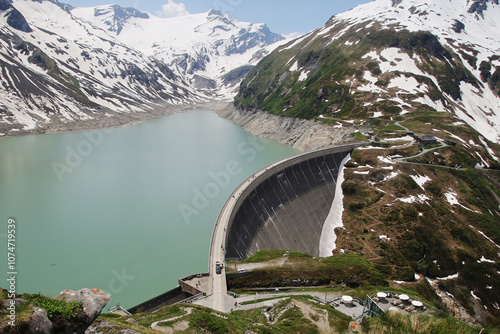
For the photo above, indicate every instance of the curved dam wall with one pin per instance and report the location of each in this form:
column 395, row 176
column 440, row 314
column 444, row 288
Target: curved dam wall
column 284, row 206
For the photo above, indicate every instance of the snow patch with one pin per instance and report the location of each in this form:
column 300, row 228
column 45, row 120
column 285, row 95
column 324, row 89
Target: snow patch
column 479, row 110
column 414, row 199
column 475, row 297
column 483, row 259
column 387, row 160
column 391, row 176
column 334, row 218
column 303, row 75
column 451, row 197
column 484, row 235
column 447, row 278
column 456, row 137
column 421, row 180
column 490, row 151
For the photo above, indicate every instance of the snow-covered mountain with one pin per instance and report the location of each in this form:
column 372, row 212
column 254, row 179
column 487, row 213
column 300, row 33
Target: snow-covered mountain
column 390, row 55
column 469, row 28
column 60, row 63
column 54, row 66
column 203, row 48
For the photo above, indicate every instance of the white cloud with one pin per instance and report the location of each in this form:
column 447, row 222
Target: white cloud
column 172, row 9
column 293, row 35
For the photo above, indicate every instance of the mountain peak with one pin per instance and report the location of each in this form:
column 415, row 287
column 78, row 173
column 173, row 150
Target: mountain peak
column 116, row 16
column 215, row 12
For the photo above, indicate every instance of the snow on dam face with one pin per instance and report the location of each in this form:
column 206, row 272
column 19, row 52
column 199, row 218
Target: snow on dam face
column 284, row 206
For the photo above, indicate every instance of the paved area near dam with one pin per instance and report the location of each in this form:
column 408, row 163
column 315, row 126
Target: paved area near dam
column 282, row 206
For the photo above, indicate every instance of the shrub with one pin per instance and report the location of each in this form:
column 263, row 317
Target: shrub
column 209, row 322
column 55, row 307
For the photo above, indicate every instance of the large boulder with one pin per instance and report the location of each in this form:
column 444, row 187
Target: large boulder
column 93, row 301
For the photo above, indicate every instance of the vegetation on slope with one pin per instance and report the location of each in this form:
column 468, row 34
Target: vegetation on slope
column 63, row 315
column 443, row 226
column 292, row 315
column 303, row 270
column 395, row 322
column 333, row 64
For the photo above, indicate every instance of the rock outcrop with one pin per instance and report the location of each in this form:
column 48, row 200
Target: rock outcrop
column 300, row 134
column 93, row 301
column 39, row 322
column 36, row 320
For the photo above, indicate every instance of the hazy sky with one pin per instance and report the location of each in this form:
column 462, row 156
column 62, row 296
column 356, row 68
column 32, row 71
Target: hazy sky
column 282, row 16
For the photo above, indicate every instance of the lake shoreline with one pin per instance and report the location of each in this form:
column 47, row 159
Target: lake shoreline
column 107, row 119
column 303, row 135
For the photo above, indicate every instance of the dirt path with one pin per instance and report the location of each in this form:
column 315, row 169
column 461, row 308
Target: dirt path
column 178, row 326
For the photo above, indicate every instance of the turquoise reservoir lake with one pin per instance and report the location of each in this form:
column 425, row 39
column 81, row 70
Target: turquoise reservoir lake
column 127, row 210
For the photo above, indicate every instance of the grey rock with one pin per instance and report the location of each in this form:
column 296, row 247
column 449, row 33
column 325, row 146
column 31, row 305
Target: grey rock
column 40, row 323
column 93, row 300
column 303, row 135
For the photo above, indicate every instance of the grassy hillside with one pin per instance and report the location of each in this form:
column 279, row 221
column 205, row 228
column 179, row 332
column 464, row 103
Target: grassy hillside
column 292, row 315
column 303, row 270
column 331, row 66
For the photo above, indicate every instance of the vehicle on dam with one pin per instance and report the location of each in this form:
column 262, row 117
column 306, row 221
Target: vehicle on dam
column 218, row 267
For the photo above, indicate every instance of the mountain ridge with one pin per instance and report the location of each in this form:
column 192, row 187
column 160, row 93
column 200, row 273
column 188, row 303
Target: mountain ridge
column 202, row 48
column 104, row 63
column 376, row 44
column 62, row 70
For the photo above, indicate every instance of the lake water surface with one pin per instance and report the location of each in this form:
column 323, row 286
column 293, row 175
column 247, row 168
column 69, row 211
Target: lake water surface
column 127, row 210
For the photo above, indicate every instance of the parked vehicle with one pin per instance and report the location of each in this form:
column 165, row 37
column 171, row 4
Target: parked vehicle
column 218, row 268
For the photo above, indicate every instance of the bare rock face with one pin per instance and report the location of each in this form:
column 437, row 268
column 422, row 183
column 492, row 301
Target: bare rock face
column 40, row 323
column 303, row 135
column 93, row 300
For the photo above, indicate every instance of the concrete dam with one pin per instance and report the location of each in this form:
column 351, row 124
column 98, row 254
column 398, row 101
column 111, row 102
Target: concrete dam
column 285, row 205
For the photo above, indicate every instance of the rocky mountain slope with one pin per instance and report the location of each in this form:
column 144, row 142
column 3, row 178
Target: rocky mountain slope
column 388, row 58
column 211, row 50
column 56, row 67
column 62, row 65
column 398, row 72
